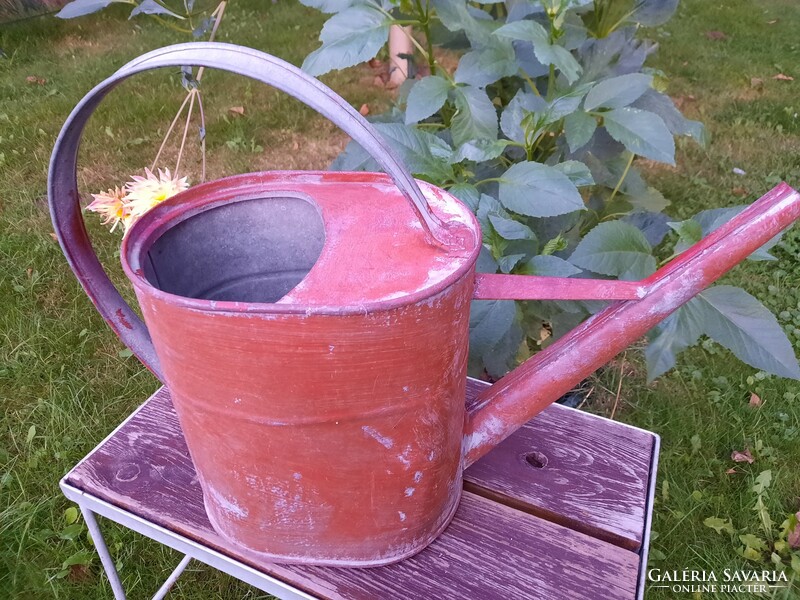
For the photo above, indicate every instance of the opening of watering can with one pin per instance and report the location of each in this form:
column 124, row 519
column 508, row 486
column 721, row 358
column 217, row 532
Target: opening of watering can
column 253, row 250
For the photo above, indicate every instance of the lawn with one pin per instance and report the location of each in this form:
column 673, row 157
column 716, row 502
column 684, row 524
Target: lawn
column 66, row 381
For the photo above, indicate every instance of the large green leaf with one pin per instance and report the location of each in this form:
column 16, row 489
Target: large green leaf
column 617, row 92
column 673, row 335
column 614, row 248
column 579, row 128
column 509, row 229
column 652, row 13
column 423, row 153
column 480, row 150
column 79, row 8
column 550, row 266
column 348, row 38
column 494, row 335
column 329, row 6
column 664, row 107
column 486, row 65
column 520, row 105
column 426, row 97
column 642, row 133
column 578, row 173
column 546, row 53
column 151, row 7
column 736, row 320
column 538, row 190
column 489, row 320
column 476, row 116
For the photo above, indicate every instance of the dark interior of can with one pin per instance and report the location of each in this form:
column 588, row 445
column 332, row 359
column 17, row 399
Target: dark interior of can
column 253, row 250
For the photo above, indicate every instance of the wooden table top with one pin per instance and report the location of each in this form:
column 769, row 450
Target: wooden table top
column 560, row 510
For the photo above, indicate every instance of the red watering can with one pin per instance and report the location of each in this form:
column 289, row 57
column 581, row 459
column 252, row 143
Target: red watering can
column 313, row 330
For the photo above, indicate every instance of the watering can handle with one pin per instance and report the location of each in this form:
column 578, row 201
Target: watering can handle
column 63, row 195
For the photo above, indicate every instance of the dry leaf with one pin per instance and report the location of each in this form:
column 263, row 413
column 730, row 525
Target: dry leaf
column 79, row 574
column 54, row 236
column 33, row 79
column 793, row 539
column 364, row 110
column 716, row 36
column 755, row 400
column 742, row 456
column 236, row 110
column 756, row 82
column 731, row 472
column 782, row 77
column 375, row 63
column 772, row 22
column 739, row 191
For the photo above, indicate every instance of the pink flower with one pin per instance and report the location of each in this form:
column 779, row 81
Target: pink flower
column 111, row 204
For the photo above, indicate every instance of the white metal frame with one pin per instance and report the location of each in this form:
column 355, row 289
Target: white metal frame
column 91, row 506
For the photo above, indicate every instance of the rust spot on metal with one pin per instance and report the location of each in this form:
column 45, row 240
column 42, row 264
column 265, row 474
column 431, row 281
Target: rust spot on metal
column 123, row 321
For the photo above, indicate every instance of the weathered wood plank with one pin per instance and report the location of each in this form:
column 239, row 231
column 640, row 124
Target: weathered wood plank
column 587, row 473
column 490, row 551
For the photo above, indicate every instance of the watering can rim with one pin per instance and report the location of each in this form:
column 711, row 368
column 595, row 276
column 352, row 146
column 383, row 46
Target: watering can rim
column 176, row 209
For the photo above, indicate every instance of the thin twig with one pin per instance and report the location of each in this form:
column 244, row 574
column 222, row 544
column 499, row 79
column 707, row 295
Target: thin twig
column 619, row 387
column 169, row 132
column 192, row 95
column 585, row 398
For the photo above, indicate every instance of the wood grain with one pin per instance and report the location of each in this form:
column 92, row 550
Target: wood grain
column 569, row 467
column 491, row 550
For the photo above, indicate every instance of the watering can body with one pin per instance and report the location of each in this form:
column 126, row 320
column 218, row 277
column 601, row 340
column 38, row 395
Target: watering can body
column 313, row 331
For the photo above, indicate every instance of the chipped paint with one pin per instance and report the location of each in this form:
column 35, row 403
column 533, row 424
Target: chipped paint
column 227, row 503
column 382, row 440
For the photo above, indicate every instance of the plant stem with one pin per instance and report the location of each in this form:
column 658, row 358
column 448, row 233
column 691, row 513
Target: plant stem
column 203, row 136
column 218, row 13
column 530, row 82
column 622, row 178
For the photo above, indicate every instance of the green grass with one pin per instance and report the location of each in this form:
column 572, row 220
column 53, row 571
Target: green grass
column 63, row 384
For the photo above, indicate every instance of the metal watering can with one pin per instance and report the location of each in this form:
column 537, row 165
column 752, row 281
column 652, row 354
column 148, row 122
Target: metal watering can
column 312, row 328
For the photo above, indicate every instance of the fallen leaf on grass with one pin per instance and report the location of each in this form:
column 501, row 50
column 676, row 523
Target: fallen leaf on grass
column 756, row 82
column 719, row 525
column 79, row 574
column 716, row 36
column 772, row 22
column 742, row 456
column 54, row 236
column 364, row 110
column 755, row 400
column 731, row 472
column 375, row 63
column 236, row 110
column 33, row 79
column 782, row 77
column 739, row 191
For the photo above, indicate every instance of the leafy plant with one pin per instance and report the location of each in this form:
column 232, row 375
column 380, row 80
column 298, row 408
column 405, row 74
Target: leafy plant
column 538, row 130
column 775, row 543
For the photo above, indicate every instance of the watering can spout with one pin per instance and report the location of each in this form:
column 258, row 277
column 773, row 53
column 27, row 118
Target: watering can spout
column 541, row 380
